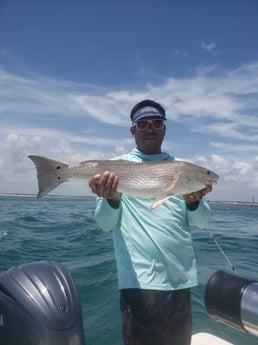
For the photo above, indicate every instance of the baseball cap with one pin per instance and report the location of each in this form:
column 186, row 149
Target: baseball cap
column 145, row 109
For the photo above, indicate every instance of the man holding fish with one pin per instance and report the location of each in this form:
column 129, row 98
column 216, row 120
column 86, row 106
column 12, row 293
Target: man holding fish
column 153, row 246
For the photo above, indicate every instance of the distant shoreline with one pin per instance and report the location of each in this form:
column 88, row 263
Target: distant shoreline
column 47, row 196
column 227, row 202
column 232, row 202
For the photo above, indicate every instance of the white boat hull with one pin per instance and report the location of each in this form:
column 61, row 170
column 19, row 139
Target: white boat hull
column 208, row 339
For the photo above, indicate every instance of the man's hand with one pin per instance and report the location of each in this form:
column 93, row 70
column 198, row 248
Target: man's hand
column 105, row 186
column 192, row 199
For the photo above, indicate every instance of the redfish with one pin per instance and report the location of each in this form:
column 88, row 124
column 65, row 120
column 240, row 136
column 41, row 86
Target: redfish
column 160, row 180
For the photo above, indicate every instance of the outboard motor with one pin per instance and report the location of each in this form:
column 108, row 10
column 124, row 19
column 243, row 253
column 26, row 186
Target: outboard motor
column 39, row 305
column 233, row 300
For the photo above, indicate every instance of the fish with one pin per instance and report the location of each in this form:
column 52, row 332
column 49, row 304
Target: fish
column 160, row 180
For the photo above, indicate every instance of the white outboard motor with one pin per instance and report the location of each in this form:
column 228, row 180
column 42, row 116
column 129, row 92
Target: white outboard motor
column 233, row 300
column 39, row 305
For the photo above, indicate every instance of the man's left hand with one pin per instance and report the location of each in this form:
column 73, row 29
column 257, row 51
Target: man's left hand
column 194, row 198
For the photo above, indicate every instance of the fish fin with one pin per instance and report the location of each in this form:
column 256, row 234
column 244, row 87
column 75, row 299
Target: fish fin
column 159, row 202
column 48, row 173
column 171, row 184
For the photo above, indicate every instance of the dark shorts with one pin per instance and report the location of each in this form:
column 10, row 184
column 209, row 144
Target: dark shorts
column 153, row 317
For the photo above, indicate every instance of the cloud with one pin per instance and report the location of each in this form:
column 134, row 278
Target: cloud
column 181, row 53
column 239, row 149
column 60, row 119
column 210, row 47
column 227, row 96
column 234, row 130
column 237, row 177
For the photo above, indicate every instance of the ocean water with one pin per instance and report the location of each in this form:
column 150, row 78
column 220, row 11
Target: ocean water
column 64, row 230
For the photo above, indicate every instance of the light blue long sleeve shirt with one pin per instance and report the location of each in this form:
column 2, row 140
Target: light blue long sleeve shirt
column 153, row 247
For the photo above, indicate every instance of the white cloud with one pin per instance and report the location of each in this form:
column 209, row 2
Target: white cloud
column 210, row 47
column 181, row 53
column 238, row 178
column 233, row 148
column 60, row 119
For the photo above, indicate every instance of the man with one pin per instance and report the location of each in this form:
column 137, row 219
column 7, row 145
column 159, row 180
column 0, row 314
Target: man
column 154, row 253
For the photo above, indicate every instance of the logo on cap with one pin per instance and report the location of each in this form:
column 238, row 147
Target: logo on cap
column 146, row 112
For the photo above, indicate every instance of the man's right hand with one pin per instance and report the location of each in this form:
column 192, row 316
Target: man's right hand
column 105, row 186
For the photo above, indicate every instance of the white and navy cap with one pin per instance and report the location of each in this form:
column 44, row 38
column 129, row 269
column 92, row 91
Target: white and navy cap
column 145, row 109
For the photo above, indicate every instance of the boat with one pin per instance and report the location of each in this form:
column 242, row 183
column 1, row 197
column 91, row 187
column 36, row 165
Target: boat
column 203, row 338
column 40, row 305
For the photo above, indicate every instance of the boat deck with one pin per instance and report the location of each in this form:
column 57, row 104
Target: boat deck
column 206, row 338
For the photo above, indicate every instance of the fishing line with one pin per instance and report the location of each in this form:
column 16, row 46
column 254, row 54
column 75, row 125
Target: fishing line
column 222, row 252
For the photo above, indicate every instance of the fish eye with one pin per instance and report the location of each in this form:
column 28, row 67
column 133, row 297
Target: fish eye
column 207, row 172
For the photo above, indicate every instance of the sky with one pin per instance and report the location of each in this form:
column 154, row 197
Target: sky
column 70, row 72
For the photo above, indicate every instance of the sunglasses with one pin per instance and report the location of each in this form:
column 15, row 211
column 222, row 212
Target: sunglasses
column 144, row 124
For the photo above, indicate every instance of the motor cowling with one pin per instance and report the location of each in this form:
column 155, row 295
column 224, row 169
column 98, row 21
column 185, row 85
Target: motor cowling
column 40, row 305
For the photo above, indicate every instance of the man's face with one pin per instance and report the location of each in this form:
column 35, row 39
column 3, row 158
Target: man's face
column 149, row 140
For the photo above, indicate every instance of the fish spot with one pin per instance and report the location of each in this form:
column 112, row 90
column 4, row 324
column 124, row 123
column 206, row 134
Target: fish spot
column 58, row 177
column 58, row 167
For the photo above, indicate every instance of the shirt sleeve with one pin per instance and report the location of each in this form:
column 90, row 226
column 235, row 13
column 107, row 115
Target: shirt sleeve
column 106, row 216
column 201, row 216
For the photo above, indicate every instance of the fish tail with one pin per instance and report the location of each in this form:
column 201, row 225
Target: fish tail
column 49, row 173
